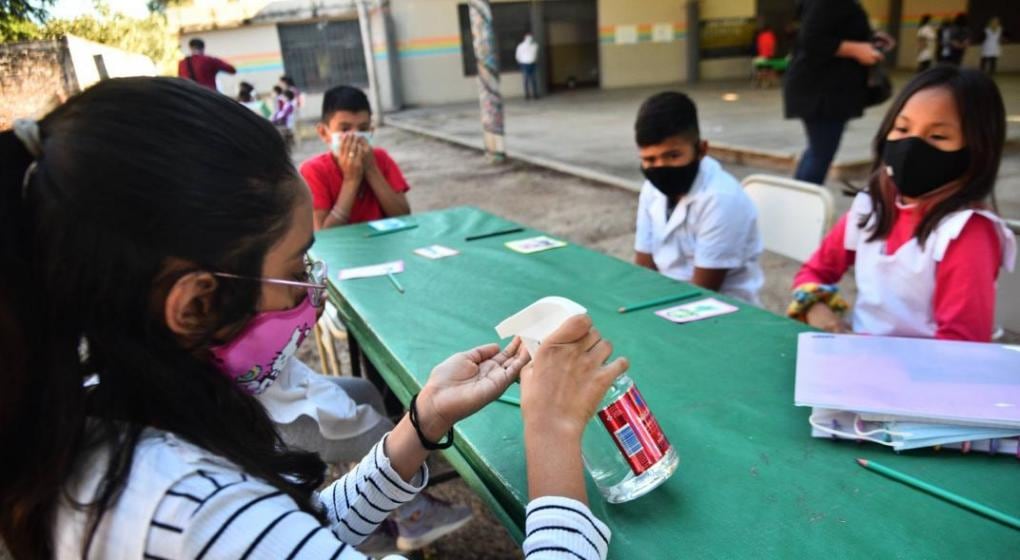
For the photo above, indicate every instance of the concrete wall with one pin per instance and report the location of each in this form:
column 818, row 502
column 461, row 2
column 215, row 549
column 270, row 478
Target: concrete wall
column 40, row 75
column 730, row 67
column 37, row 77
column 631, row 52
column 429, row 57
column 117, row 63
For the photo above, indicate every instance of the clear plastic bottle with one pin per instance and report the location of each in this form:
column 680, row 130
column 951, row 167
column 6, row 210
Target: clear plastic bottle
column 624, row 448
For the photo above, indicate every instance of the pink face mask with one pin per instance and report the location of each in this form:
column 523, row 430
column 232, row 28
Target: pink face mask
column 256, row 356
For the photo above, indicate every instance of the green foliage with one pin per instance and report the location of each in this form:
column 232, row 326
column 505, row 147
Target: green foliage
column 150, row 36
column 18, row 19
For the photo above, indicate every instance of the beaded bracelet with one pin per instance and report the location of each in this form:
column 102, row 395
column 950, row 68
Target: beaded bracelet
column 806, row 295
column 412, row 413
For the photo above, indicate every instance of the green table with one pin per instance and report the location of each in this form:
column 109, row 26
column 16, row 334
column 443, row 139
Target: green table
column 751, row 482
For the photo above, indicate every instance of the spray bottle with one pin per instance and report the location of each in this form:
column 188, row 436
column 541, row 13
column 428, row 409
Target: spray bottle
column 624, row 448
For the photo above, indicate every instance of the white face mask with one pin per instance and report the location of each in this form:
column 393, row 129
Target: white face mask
column 901, row 435
column 337, row 137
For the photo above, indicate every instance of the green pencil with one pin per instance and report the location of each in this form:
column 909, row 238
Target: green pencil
column 389, row 231
column 654, row 302
column 944, row 494
column 509, row 400
column 393, row 280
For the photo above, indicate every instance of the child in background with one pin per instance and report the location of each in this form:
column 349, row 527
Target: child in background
column 284, row 118
column 278, row 98
column 991, row 46
column 694, row 221
column 925, row 246
column 925, row 43
column 249, row 98
column 352, row 182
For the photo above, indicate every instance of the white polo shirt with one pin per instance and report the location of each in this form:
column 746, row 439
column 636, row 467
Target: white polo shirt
column 713, row 226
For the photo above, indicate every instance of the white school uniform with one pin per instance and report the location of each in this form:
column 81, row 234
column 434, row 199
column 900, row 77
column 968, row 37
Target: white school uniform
column 714, row 226
column 992, row 45
column 300, row 391
column 895, row 293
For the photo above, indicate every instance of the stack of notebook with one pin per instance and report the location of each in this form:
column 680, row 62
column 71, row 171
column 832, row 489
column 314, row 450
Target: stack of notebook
column 909, row 393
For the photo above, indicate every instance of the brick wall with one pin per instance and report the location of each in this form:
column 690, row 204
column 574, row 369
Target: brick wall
column 34, row 78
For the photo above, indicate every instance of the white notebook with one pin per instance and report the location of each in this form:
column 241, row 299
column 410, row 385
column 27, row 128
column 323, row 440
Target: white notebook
column 943, row 381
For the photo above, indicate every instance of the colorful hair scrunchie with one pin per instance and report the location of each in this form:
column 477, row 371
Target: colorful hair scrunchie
column 806, row 295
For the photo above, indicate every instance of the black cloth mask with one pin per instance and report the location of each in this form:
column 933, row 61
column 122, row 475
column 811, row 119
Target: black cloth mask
column 673, row 181
column 919, row 168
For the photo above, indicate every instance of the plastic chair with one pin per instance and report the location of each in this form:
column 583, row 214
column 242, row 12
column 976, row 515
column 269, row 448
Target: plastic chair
column 793, row 216
column 328, row 332
column 1007, row 308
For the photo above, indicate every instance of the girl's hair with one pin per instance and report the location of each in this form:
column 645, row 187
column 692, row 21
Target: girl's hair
column 983, row 119
column 140, row 181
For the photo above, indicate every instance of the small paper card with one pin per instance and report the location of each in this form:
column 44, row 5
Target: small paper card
column 436, row 252
column 387, row 224
column 535, row 244
column 381, row 269
column 696, row 310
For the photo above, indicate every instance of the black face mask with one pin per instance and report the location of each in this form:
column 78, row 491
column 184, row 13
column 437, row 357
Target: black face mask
column 673, row 181
column 919, row 168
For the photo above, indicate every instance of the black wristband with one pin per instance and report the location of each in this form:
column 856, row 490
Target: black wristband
column 412, row 413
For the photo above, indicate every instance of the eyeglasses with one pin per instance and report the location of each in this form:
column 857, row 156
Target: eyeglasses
column 315, row 280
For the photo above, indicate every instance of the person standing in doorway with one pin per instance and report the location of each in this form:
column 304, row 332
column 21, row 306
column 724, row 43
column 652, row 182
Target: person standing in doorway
column 527, row 54
column 991, row 47
column 955, row 40
column 826, row 84
column 200, row 68
column 925, row 43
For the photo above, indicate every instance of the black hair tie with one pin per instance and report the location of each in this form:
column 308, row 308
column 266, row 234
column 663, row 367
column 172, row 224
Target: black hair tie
column 412, row 413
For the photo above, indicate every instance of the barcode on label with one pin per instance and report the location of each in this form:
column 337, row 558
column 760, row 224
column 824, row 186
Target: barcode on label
column 628, row 440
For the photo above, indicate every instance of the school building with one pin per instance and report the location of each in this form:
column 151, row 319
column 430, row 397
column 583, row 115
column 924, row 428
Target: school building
column 422, row 51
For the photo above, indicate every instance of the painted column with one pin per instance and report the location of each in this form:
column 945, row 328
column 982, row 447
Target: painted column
column 369, row 48
column 489, row 97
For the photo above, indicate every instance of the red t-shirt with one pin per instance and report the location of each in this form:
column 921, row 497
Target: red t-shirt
column 206, row 68
column 767, row 44
column 324, row 178
column 964, row 300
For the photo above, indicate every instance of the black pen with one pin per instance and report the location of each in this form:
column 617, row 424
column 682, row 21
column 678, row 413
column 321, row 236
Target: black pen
column 493, row 234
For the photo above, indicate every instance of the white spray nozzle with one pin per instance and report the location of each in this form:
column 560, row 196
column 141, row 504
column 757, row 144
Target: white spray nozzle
column 536, row 321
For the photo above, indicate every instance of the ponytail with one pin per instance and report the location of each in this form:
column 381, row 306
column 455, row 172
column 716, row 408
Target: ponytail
column 35, row 376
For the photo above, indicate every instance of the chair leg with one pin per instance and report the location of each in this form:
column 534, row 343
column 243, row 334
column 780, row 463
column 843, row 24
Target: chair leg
column 321, row 347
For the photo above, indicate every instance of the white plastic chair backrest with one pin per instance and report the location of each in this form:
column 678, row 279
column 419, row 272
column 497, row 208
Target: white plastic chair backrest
column 1007, row 309
column 793, row 216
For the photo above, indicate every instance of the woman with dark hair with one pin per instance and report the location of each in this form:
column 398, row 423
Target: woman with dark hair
column 154, row 238
column 826, row 82
column 924, row 241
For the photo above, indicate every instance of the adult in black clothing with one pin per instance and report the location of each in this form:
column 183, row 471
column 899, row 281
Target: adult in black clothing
column 826, row 83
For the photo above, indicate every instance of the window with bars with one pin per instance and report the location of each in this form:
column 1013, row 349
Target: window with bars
column 323, row 54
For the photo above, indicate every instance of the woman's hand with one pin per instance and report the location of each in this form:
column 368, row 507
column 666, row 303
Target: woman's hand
column 564, row 385
column 465, row 382
column 884, row 41
column 560, row 392
column 820, row 316
column 861, row 51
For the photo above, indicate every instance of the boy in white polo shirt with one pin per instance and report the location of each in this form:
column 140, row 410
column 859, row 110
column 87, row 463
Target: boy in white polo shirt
column 694, row 221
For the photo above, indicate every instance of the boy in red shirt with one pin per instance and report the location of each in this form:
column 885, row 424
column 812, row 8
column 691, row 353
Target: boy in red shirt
column 352, row 182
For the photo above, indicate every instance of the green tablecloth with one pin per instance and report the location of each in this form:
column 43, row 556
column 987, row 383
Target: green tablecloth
column 751, row 482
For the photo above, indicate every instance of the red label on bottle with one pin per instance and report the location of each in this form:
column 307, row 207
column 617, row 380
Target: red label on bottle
column 635, row 431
